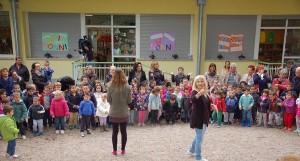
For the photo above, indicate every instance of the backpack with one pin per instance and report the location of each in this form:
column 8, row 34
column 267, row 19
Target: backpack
column 231, row 104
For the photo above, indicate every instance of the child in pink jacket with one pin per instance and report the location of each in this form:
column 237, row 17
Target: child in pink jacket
column 290, row 106
column 59, row 110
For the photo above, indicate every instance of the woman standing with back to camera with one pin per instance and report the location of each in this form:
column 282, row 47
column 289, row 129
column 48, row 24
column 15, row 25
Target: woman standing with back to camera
column 119, row 96
column 200, row 114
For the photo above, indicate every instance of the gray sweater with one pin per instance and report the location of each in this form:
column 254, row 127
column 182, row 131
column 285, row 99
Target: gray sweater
column 119, row 100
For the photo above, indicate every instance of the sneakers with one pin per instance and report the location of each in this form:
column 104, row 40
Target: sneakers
column 41, row 133
column 13, row 156
column 34, row 133
column 285, row 128
column 225, row 123
column 203, row 159
column 82, row 134
column 71, row 127
column 190, row 153
column 23, row 137
column 62, row 132
column 296, row 130
column 139, row 124
column 218, row 126
column 143, row 124
column 123, row 152
column 114, row 152
column 57, row 132
column 88, row 132
column 269, row 126
column 289, row 130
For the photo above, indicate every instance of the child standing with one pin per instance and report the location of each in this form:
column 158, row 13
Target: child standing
column 20, row 112
column 59, row 110
column 142, row 105
column 171, row 109
column 36, row 112
column 178, row 99
column 98, row 92
column 274, row 110
column 186, row 105
column 47, row 70
column 298, row 115
column 45, row 102
column 9, row 130
column 73, row 100
column 221, row 106
column 154, row 105
column 289, row 105
column 102, row 111
column 232, row 104
column 28, row 100
column 86, row 111
column 255, row 96
column 245, row 103
column 264, row 103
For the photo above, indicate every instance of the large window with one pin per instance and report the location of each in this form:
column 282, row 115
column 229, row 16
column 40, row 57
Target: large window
column 5, row 34
column 113, row 37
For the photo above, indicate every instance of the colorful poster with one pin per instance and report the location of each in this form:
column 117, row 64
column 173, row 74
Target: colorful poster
column 162, row 41
column 55, row 41
column 230, row 42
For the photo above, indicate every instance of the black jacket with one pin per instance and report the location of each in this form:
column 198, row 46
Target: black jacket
column 157, row 76
column 73, row 100
column 293, row 71
column 33, row 112
column 28, row 100
column 131, row 76
column 178, row 78
column 170, row 108
column 186, row 103
column 200, row 111
column 40, row 81
column 22, row 72
column 296, row 82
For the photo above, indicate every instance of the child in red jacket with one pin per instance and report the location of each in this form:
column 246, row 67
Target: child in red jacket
column 59, row 110
column 221, row 107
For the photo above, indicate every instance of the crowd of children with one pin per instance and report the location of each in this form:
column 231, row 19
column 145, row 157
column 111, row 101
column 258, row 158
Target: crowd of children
column 85, row 106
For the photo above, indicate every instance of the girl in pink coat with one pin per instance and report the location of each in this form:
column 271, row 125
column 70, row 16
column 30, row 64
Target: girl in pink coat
column 59, row 110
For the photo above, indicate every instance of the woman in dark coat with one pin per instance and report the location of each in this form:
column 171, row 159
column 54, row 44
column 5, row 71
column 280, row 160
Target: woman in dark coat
column 137, row 73
column 200, row 114
column 156, row 74
column 38, row 77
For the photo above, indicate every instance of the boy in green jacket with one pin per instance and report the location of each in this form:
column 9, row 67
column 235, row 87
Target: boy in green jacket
column 20, row 112
column 9, row 130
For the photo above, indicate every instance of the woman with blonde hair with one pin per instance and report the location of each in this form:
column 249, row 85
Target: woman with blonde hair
column 200, row 114
column 119, row 96
column 156, row 74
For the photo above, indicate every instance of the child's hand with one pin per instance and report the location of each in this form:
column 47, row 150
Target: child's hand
column 241, row 108
column 28, row 117
column 149, row 110
column 261, row 103
column 80, row 117
column 224, row 113
column 53, row 116
column 250, row 107
column 279, row 104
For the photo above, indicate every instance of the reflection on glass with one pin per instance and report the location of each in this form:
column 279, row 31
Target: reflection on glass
column 124, row 59
column 292, row 47
column 124, row 42
column 273, row 23
column 124, row 20
column 97, row 19
column 294, row 23
column 5, row 34
column 101, row 40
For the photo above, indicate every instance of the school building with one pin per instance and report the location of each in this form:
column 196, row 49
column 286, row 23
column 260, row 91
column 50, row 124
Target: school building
column 244, row 32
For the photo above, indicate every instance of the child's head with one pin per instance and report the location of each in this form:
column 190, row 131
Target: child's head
column 181, row 86
column 288, row 95
column 36, row 100
column 186, row 92
column 265, row 92
column 145, row 83
column 247, row 91
column 219, row 93
column 176, row 89
column 17, row 97
column 5, row 101
column 46, row 63
column 173, row 98
column 104, row 97
column 57, row 86
column 229, row 88
column 86, row 89
column 17, row 87
column 170, row 90
column 272, row 95
column 142, row 90
column 185, row 81
column 72, row 88
column 289, row 86
column 156, row 90
column 232, row 93
column 253, row 89
column 29, row 90
column 85, row 79
column 59, row 94
column 97, row 83
column 2, row 93
column 180, row 70
column 98, row 88
column 33, row 86
column 243, row 83
column 8, row 110
column 239, row 88
column 87, row 96
column 51, row 88
column 4, row 72
column 46, row 90
column 215, row 83
column 152, row 83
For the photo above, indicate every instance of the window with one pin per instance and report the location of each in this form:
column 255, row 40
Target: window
column 273, row 23
column 292, row 47
column 97, row 19
column 5, row 34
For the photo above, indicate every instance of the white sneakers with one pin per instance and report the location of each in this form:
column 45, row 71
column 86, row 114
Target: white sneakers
column 62, row 132
column 14, row 156
column 143, row 124
column 82, row 134
column 57, row 132
column 23, row 137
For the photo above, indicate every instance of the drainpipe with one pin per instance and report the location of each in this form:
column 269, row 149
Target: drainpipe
column 201, row 4
column 15, row 26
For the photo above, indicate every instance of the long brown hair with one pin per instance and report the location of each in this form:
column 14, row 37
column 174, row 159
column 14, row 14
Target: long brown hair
column 119, row 79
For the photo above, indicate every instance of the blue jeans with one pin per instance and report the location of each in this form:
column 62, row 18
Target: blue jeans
column 59, row 123
column 186, row 115
column 11, row 147
column 246, row 115
column 197, row 142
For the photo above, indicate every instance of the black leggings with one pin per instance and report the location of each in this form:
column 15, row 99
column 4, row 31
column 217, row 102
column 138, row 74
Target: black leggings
column 115, row 134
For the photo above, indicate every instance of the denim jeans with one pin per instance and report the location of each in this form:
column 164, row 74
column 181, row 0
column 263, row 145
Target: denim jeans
column 59, row 123
column 11, row 147
column 246, row 115
column 186, row 115
column 197, row 142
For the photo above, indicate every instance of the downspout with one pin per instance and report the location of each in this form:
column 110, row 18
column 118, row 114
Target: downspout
column 15, row 26
column 201, row 4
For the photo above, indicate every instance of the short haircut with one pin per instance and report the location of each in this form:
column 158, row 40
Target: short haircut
column 180, row 68
column 16, row 84
column 5, row 100
column 16, row 93
column 70, row 86
column 266, row 91
column 18, row 57
column 47, row 87
column 173, row 97
column 243, row 82
column 29, row 87
column 36, row 98
column 219, row 92
column 57, row 84
column 7, row 109
column 87, row 94
column 156, row 89
column 186, row 89
column 2, row 91
column 291, row 84
column 272, row 93
column 152, row 81
column 289, row 93
column 247, row 89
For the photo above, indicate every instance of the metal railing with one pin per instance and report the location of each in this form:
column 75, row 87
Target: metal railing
column 271, row 68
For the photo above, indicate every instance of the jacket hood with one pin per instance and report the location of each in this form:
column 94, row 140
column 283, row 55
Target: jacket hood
column 59, row 99
column 2, row 119
column 21, row 101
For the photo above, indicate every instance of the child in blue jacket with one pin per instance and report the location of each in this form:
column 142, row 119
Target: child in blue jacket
column 86, row 111
column 264, row 103
column 232, row 104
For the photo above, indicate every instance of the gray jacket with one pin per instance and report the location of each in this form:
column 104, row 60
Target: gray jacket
column 119, row 100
